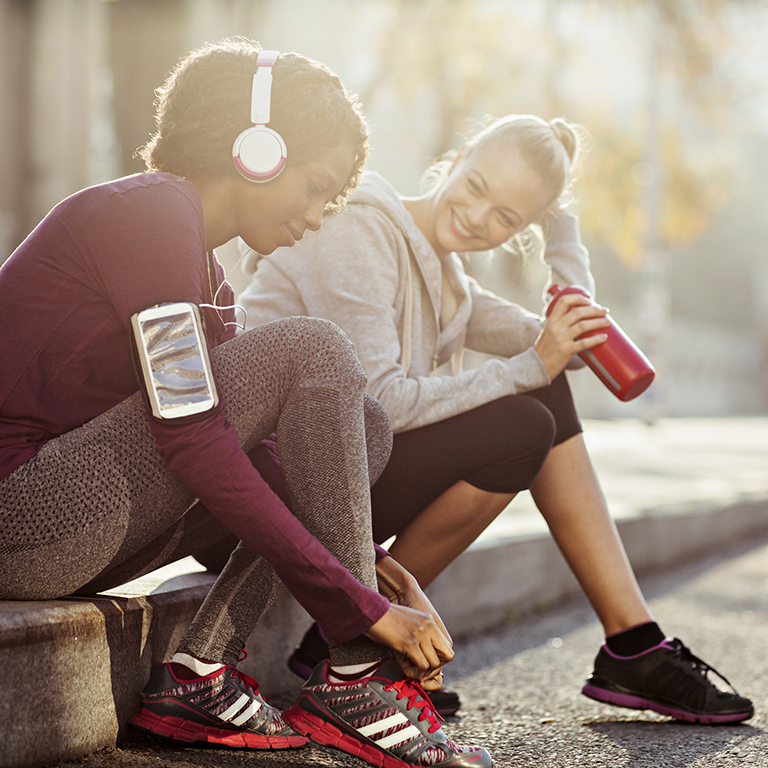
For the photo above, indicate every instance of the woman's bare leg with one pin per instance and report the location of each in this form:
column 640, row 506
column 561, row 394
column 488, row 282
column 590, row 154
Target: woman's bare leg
column 568, row 494
column 445, row 528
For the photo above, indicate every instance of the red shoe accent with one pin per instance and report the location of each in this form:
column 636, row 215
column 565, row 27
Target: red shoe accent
column 186, row 731
column 325, row 733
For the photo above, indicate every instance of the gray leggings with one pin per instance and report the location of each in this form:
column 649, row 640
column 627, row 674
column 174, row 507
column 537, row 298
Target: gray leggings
column 96, row 506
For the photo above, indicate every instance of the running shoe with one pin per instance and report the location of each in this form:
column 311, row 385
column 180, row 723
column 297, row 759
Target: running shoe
column 667, row 679
column 224, row 708
column 314, row 648
column 386, row 720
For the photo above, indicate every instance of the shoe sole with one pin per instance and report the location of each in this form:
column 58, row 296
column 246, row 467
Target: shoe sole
column 186, row 731
column 325, row 733
column 631, row 701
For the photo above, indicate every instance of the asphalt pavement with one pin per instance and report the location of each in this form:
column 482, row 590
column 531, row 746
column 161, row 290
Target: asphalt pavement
column 521, row 686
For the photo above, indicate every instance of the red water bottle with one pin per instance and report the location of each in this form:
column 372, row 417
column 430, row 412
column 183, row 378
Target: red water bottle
column 618, row 363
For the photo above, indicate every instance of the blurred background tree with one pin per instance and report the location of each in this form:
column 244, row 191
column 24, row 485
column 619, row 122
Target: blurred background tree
column 671, row 197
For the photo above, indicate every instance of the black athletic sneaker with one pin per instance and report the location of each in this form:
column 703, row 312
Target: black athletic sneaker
column 314, row 648
column 222, row 708
column 385, row 719
column 668, row 679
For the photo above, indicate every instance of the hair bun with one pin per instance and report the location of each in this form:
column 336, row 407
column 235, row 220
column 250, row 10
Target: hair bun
column 567, row 135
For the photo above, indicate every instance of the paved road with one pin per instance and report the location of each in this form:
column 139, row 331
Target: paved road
column 521, row 686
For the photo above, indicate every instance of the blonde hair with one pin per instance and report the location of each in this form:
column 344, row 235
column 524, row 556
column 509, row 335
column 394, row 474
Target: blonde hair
column 553, row 149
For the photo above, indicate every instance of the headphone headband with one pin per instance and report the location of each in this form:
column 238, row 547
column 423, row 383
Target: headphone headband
column 261, row 90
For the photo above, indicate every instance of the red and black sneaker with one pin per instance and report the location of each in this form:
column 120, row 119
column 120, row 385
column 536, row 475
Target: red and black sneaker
column 385, row 719
column 314, row 648
column 224, row 708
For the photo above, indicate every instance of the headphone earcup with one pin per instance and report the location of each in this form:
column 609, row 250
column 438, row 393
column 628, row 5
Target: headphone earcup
column 259, row 153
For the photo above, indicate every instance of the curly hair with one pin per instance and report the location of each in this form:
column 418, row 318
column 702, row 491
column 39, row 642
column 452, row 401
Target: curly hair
column 205, row 103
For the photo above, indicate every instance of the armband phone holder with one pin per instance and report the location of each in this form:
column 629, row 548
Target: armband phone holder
column 174, row 367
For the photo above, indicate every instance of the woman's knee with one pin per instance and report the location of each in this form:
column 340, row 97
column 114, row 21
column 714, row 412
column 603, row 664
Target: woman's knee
column 306, row 347
column 558, row 400
column 528, row 422
column 523, row 435
column 378, row 437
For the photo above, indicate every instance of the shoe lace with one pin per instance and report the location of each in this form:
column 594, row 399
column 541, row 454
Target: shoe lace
column 412, row 690
column 698, row 664
column 236, row 674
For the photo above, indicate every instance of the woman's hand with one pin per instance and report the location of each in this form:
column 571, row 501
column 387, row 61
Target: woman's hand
column 399, row 586
column 559, row 340
column 423, row 644
column 416, row 641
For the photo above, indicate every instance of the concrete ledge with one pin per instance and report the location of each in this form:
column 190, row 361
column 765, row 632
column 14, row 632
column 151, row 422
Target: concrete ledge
column 79, row 665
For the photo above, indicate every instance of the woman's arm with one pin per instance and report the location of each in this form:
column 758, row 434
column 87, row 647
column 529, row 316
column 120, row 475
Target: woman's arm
column 564, row 254
column 165, row 260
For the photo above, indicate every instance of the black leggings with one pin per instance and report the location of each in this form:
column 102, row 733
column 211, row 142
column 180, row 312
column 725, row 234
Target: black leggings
column 498, row 447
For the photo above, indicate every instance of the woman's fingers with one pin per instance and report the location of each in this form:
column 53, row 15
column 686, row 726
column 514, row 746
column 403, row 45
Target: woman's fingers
column 568, row 302
column 563, row 334
column 436, row 647
column 414, row 636
column 433, row 683
column 400, row 587
column 573, row 309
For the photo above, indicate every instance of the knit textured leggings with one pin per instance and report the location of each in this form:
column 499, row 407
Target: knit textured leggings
column 96, row 506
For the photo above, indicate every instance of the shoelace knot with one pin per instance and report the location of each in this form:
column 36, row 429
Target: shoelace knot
column 416, row 698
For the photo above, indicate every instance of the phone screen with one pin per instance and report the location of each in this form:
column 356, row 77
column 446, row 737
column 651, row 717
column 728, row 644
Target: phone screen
column 177, row 369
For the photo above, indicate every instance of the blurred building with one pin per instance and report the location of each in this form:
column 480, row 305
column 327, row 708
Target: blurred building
column 76, row 93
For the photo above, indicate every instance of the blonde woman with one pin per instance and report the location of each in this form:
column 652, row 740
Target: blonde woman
column 387, row 271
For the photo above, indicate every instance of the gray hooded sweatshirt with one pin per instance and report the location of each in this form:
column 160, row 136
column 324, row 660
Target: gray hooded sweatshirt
column 372, row 272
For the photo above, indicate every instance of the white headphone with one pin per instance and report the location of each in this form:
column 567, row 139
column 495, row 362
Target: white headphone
column 259, row 152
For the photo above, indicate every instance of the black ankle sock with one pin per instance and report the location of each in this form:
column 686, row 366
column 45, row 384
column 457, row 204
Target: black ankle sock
column 635, row 639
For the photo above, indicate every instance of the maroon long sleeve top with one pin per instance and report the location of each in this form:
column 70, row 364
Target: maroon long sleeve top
column 66, row 297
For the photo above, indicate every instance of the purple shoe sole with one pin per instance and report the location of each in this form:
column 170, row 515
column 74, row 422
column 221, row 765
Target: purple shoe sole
column 636, row 702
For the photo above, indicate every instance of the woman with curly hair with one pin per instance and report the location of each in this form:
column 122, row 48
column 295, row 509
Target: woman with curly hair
column 101, row 481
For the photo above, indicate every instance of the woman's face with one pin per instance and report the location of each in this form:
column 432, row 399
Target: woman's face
column 490, row 195
column 278, row 212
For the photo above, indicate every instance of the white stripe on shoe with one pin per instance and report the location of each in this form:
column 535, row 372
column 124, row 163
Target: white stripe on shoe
column 399, row 737
column 254, row 707
column 231, row 711
column 385, row 742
